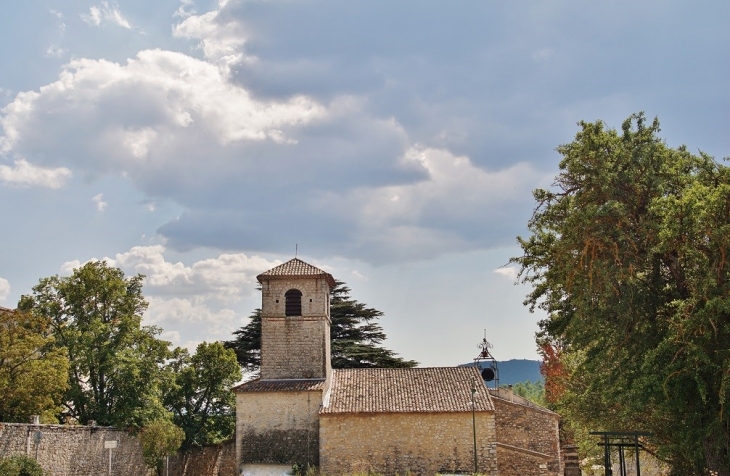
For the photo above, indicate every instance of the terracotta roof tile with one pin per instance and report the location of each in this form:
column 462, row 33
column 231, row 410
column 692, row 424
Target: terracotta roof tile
column 259, row 385
column 439, row 389
column 295, row 267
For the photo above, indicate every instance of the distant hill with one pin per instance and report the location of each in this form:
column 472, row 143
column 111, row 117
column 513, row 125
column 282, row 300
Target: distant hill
column 516, row 370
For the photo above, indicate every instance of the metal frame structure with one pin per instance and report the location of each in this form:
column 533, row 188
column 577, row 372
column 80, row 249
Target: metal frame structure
column 620, row 440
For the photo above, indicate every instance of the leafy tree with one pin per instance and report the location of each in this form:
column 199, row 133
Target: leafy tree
column 628, row 254
column 33, row 373
column 115, row 363
column 20, row 465
column 160, row 438
column 533, row 391
column 199, row 393
column 356, row 337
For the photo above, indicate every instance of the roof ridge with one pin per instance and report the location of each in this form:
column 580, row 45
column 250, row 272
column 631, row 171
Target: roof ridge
column 295, row 267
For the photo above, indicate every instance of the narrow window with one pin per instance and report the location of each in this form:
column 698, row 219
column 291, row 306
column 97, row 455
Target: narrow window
column 293, row 302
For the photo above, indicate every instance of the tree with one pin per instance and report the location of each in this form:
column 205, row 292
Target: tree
column 199, row 393
column 356, row 336
column 115, row 363
column 33, row 373
column 628, row 254
column 20, row 465
column 160, row 438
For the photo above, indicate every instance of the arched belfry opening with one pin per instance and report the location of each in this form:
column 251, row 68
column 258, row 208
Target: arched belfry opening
column 293, row 305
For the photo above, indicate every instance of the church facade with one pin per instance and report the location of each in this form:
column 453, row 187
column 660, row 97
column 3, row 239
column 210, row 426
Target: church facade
column 389, row 421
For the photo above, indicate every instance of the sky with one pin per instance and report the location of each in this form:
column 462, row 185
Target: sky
column 393, row 144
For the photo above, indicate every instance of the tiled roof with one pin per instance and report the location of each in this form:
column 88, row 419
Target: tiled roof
column 5, row 309
column 438, row 389
column 259, row 385
column 295, row 267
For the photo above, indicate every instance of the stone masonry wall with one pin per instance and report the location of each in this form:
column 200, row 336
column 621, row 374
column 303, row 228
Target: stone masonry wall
column 73, row 450
column 420, row 443
column 530, row 428
column 295, row 347
column 278, row 427
column 519, row 462
column 214, row 460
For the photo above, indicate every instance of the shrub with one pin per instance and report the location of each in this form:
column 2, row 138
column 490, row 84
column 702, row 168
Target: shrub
column 20, row 465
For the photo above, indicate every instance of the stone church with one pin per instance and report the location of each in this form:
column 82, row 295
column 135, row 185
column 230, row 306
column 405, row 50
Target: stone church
column 347, row 421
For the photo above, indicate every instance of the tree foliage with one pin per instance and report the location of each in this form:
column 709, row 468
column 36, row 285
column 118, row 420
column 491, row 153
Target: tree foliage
column 115, row 362
column 199, row 393
column 628, row 254
column 33, row 373
column 356, row 336
column 20, row 465
column 160, row 438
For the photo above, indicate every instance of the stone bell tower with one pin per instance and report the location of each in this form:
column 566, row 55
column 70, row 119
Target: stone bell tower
column 295, row 322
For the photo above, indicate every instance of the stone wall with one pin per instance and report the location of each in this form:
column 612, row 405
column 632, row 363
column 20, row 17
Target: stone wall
column 513, row 461
column 278, row 427
column 74, row 450
column 214, row 460
column 295, row 347
column 523, row 425
column 420, row 443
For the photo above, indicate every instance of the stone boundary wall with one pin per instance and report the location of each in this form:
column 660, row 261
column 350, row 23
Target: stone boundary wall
column 214, row 460
column 74, row 450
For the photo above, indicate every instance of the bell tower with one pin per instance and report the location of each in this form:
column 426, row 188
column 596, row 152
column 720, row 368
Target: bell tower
column 295, row 322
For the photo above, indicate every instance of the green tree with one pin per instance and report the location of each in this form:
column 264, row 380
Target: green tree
column 115, row 363
column 533, row 391
column 628, row 254
column 199, row 393
column 20, row 465
column 160, row 438
column 355, row 334
column 33, row 373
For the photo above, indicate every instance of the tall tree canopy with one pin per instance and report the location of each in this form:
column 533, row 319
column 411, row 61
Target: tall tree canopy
column 33, row 372
column 115, row 362
column 355, row 334
column 628, row 254
column 199, row 393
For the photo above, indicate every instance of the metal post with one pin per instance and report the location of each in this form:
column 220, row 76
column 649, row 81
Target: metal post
column 606, row 457
column 636, row 449
column 110, row 462
column 474, row 422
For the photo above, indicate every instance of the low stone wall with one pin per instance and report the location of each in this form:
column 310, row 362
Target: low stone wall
column 217, row 460
column 73, row 450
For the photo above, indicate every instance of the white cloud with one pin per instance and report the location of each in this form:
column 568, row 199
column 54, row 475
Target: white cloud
column 129, row 112
column 26, row 174
column 226, row 278
column 99, row 202
column 55, row 51
column 509, row 272
column 105, row 13
column 220, row 40
column 4, row 289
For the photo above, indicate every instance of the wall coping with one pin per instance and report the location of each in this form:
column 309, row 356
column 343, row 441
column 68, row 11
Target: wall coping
column 533, row 406
column 525, row 451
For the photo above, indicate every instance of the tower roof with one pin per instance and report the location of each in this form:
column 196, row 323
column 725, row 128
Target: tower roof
column 296, row 268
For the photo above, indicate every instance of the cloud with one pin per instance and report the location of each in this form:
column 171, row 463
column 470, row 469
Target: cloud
column 26, row 174
column 99, row 202
column 105, row 13
column 4, row 289
column 226, row 278
column 509, row 272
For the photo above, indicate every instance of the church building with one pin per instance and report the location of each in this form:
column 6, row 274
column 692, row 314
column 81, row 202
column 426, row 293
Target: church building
column 301, row 412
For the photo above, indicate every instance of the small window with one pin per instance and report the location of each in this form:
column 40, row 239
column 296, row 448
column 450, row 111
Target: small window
column 293, row 302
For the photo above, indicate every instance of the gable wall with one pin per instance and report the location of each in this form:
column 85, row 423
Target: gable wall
column 420, row 443
column 530, row 428
column 278, row 427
